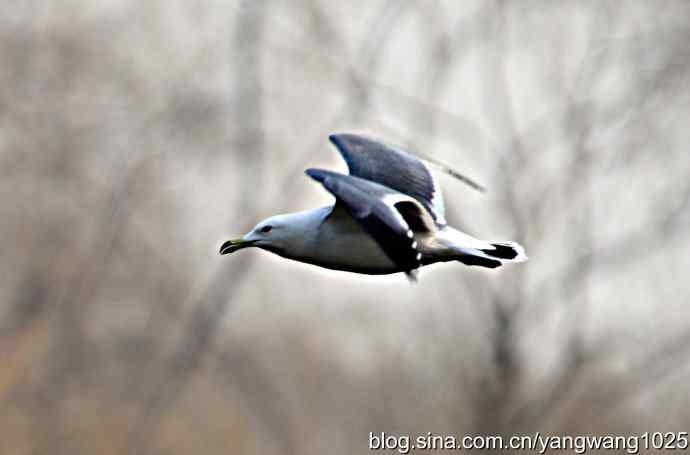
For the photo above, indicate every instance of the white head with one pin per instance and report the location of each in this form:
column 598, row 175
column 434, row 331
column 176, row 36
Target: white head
column 280, row 234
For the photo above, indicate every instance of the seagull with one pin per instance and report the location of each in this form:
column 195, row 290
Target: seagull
column 388, row 217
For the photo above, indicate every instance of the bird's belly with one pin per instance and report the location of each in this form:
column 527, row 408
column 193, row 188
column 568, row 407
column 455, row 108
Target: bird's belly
column 353, row 252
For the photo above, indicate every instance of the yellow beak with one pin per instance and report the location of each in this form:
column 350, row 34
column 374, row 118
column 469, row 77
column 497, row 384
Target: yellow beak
column 233, row 245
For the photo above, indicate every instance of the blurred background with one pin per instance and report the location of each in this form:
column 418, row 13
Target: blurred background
column 135, row 137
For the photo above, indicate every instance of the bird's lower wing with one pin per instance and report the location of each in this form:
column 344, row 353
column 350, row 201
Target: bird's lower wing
column 379, row 211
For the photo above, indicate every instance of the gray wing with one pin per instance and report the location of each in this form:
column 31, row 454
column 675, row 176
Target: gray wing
column 387, row 215
column 396, row 169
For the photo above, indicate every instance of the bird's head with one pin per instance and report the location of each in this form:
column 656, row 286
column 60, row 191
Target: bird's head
column 276, row 234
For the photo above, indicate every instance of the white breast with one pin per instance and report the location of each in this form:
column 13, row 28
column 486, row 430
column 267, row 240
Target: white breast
column 342, row 244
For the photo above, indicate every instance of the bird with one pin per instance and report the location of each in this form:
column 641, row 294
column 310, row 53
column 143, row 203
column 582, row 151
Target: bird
column 388, row 217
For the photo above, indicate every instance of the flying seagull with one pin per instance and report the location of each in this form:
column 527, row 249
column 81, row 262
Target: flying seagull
column 388, row 217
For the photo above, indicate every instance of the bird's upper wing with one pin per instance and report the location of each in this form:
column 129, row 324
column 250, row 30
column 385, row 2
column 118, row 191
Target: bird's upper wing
column 387, row 215
column 396, row 169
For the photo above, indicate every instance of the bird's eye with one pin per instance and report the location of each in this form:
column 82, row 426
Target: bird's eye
column 266, row 228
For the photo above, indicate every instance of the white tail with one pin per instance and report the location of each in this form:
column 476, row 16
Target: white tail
column 484, row 253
